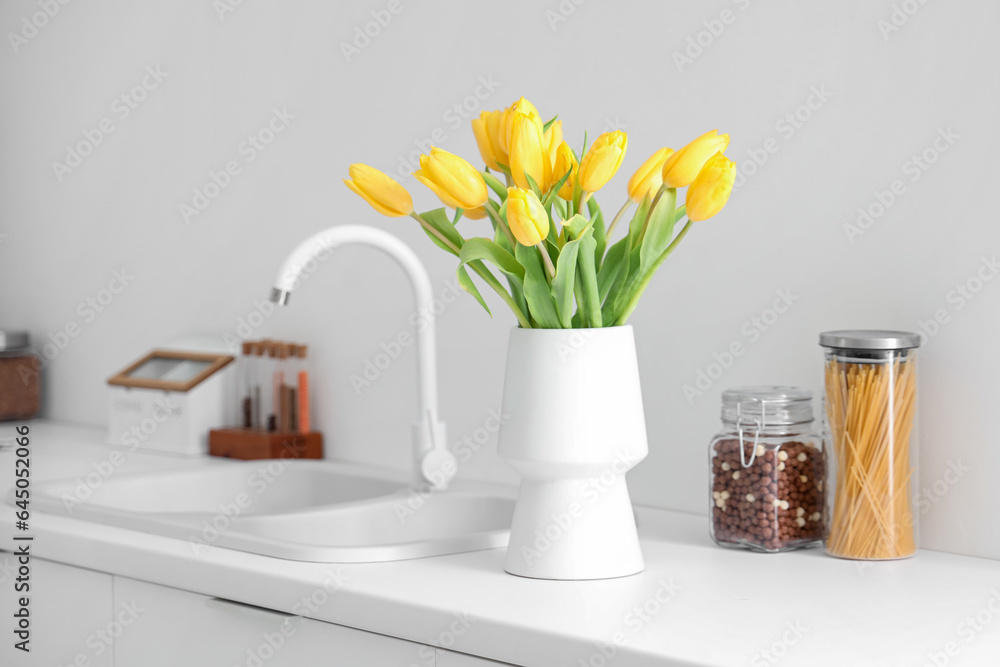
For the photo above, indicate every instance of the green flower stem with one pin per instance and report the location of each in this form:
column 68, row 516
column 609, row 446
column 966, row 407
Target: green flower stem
column 634, row 301
column 652, row 207
column 618, row 216
column 549, row 268
column 480, row 270
column 440, row 237
column 494, row 212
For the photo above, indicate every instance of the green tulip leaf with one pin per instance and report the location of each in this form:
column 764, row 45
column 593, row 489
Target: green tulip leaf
column 554, row 191
column 438, row 219
column 548, row 124
column 438, row 242
column 622, row 288
column 560, row 206
column 611, row 268
column 586, row 277
column 659, row 230
column 635, row 227
column 496, row 185
column 458, row 216
column 480, row 248
column 465, row 282
column 564, row 282
column 516, row 286
column 536, row 288
column 576, row 226
column 534, row 186
column 600, row 236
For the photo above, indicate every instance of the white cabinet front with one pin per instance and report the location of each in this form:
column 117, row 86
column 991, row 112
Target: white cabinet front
column 68, row 620
column 174, row 627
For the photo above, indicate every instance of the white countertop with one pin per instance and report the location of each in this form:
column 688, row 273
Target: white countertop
column 695, row 604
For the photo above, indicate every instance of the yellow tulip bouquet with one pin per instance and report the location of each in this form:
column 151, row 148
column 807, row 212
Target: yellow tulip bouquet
column 549, row 240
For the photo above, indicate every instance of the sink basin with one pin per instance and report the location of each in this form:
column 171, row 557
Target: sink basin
column 283, row 487
column 297, row 510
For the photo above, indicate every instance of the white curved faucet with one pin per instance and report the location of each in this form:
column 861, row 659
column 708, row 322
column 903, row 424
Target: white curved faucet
column 434, row 462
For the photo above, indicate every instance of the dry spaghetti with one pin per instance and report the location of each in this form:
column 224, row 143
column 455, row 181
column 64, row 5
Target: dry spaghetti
column 870, row 408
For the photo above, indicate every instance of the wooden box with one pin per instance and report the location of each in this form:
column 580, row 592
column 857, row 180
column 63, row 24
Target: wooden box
column 250, row 444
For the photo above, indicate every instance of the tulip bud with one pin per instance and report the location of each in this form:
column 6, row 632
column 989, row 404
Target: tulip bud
column 526, row 216
column 528, row 154
column 486, row 138
column 602, row 160
column 456, row 182
column 711, row 188
column 506, row 128
column 477, row 213
column 681, row 168
column 565, row 161
column 384, row 194
column 648, row 177
column 553, row 137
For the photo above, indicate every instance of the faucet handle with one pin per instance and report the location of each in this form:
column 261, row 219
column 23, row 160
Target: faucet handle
column 436, row 463
column 438, row 467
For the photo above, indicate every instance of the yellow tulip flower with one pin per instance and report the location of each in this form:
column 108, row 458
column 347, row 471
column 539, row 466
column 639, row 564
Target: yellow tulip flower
column 383, row 193
column 682, row 167
column 648, row 177
column 553, row 137
column 526, row 217
column 495, row 125
column 711, row 188
column 506, row 126
column 565, row 161
column 456, row 182
column 528, row 153
column 484, row 128
column 477, row 213
column 602, row 160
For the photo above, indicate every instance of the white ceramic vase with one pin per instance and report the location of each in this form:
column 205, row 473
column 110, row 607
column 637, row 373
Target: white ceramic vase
column 572, row 427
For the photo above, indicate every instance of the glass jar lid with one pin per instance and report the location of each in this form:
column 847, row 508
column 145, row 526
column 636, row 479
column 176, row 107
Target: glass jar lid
column 765, row 406
column 869, row 339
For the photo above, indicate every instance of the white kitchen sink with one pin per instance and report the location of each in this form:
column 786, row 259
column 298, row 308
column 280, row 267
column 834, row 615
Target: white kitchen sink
column 297, row 510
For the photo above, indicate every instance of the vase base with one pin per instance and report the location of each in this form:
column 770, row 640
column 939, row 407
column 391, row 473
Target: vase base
column 574, row 530
column 562, row 578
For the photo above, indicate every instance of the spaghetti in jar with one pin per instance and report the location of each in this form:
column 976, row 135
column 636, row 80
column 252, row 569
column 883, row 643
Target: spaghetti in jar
column 870, row 404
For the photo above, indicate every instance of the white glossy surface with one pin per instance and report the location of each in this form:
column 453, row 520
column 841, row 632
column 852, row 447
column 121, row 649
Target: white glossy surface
column 728, row 607
column 574, row 427
column 295, row 509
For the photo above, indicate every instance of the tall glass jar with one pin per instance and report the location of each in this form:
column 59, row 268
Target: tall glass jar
column 871, row 405
column 767, row 471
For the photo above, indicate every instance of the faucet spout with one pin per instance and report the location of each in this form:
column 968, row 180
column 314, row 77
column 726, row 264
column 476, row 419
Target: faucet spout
column 434, row 462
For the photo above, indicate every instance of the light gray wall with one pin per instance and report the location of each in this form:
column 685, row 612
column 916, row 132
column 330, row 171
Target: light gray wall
column 887, row 94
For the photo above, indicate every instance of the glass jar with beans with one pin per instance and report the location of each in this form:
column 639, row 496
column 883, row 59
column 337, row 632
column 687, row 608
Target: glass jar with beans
column 767, row 470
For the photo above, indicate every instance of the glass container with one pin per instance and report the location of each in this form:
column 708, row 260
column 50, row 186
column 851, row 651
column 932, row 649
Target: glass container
column 871, row 405
column 767, row 471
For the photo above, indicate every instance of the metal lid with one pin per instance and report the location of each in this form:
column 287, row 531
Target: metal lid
column 11, row 341
column 767, row 405
column 869, row 339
